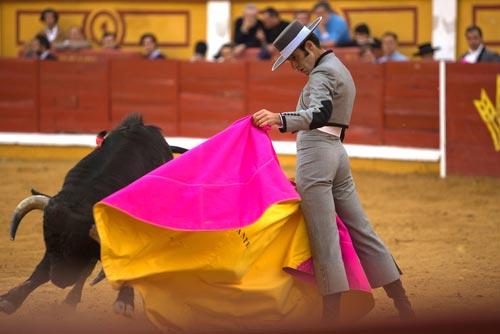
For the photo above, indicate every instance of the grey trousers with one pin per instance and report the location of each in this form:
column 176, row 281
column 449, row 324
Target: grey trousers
column 326, row 187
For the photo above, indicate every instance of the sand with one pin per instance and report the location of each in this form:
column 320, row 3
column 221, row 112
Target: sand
column 444, row 234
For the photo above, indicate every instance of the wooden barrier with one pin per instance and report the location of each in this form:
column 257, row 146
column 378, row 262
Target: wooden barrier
column 19, row 85
column 411, row 104
column 396, row 103
column 367, row 122
column 211, row 96
column 147, row 87
column 276, row 91
column 470, row 147
column 74, row 96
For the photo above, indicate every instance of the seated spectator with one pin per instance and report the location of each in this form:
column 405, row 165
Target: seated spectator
column 40, row 49
column 303, row 16
column 426, row 51
column 333, row 28
column 51, row 30
column 273, row 26
column 200, row 51
column 362, row 36
column 109, row 41
column 390, row 48
column 477, row 50
column 225, row 54
column 75, row 41
column 246, row 28
column 150, row 44
column 367, row 54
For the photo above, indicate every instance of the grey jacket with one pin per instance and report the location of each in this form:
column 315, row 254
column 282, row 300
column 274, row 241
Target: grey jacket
column 326, row 100
column 486, row 56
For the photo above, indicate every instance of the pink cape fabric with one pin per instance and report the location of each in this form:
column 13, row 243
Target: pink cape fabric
column 227, row 182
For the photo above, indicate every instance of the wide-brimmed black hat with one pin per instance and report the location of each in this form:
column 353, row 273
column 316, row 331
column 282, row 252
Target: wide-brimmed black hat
column 291, row 38
column 425, row 49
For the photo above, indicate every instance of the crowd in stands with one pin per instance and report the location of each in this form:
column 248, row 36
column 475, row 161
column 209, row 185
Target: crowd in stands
column 254, row 32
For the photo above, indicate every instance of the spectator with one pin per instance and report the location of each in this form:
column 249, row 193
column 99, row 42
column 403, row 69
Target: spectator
column 390, row 48
column 225, row 54
column 477, row 50
column 75, row 41
column 332, row 29
column 41, row 48
column 303, row 16
column 426, row 51
column 150, row 44
column 200, row 51
column 362, row 36
column 367, row 54
column 109, row 41
column 246, row 28
column 52, row 31
column 273, row 26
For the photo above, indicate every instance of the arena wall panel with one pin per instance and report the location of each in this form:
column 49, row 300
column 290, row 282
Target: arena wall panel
column 411, row 103
column 146, row 87
column 473, row 143
column 74, row 96
column 367, row 122
column 19, row 91
column 211, row 96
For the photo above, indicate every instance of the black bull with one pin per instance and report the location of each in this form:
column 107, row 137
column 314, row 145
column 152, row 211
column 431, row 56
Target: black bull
column 128, row 152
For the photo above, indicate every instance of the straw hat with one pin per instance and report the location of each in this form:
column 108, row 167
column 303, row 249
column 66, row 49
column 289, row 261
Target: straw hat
column 291, row 38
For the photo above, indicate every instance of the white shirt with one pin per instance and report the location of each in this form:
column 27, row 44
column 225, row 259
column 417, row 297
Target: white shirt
column 472, row 56
column 44, row 55
column 51, row 34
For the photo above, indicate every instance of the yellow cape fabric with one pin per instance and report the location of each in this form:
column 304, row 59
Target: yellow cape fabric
column 230, row 279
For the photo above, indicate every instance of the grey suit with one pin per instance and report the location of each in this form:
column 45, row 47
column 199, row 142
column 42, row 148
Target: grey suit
column 325, row 183
column 486, row 56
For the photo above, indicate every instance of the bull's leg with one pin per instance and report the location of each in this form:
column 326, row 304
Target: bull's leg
column 124, row 303
column 13, row 299
column 75, row 294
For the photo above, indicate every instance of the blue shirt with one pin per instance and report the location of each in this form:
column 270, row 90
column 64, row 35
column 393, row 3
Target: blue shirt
column 396, row 56
column 337, row 30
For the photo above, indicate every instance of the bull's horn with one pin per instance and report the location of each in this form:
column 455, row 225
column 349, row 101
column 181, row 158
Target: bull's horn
column 37, row 202
column 94, row 234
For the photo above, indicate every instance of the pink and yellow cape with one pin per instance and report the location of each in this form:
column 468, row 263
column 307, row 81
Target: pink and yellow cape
column 215, row 239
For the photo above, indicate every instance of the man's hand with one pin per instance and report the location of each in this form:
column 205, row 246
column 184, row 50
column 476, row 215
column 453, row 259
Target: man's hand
column 265, row 117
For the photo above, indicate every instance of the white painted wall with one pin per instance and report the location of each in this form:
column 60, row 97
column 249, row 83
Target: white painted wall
column 444, row 29
column 218, row 25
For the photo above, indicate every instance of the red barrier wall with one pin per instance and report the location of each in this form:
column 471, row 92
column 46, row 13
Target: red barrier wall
column 411, row 104
column 211, row 96
column 150, row 88
column 367, row 121
column 74, row 96
column 19, row 84
column 396, row 104
column 470, row 148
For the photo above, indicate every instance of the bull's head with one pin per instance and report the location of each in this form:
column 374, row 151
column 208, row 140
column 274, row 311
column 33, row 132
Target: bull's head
column 66, row 234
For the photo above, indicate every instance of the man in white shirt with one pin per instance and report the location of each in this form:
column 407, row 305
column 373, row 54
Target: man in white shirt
column 477, row 50
column 52, row 31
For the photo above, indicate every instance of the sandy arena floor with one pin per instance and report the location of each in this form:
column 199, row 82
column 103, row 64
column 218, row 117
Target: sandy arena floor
column 444, row 234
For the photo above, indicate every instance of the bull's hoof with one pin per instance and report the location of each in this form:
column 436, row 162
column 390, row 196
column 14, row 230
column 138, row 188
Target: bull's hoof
column 7, row 307
column 124, row 309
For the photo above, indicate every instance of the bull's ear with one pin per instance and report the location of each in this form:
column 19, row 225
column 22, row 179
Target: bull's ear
column 94, row 235
column 100, row 138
